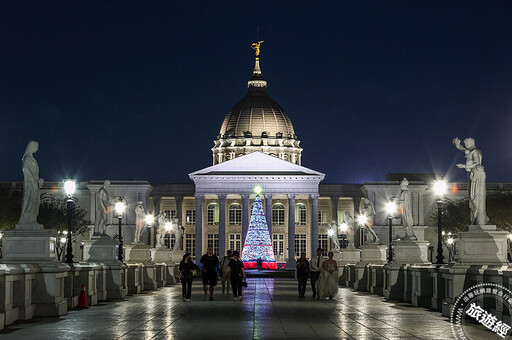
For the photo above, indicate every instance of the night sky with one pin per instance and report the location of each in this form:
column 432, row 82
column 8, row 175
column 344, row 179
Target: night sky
column 138, row 90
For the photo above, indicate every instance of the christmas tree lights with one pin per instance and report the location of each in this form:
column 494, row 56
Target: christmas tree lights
column 257, row 242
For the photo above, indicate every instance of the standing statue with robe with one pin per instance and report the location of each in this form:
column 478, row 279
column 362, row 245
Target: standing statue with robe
column 405, row 204
column 140, row 221
column 102, row 205
column 31, row 185
column 476, row 174
column 178, row 233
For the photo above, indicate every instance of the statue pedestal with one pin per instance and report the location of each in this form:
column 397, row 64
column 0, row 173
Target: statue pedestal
column 483, row 244
column 397, row 283
column 32, row 252
column 348, row 255
column 28, row 246
column 138, row 253
column 141, row 270
column 411, row 252
column 371, row 254
column 162, row 255
column 103, row 250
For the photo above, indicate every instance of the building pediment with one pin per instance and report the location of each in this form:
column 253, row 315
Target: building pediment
column 256, row 164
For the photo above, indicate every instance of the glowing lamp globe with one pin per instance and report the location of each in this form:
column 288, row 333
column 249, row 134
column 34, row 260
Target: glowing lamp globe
column 450, row 240
column 257, row 189
column 344, row 227
column 391, row 208
column 440, row 187
column 361, row 219
column 150, row 219
column 62, row 240
column 120, row 207
column 70, row 186
column 168, row 226
column 330, row 232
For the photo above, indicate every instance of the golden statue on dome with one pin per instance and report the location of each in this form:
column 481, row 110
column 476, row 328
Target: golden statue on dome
column 256, row 48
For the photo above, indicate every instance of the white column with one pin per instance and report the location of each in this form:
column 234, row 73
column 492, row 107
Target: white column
column 268, row 213
column 199, row 225
column 291, row 263
column 314, row 223
column 245, row 216
column 222, row 225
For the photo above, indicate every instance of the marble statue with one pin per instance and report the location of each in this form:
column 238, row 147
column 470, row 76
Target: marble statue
column 140, row 221
column 160, row 232
column 405, row 204
column 102, row 207
column 178, row 233
column 31, row 185
column 476, row 174
column 366, row 209
column 335, row 241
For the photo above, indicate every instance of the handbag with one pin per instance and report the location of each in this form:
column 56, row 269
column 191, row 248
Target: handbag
column 244, row 283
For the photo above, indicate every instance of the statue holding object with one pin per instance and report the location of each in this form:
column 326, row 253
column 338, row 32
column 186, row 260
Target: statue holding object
column 367, row 210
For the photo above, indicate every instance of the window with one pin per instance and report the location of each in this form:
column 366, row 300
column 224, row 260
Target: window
column 278, row 244
column 190, row 244
column 213, row 241
column 235, row 242
column 323, row 242
column 235, row 214
column 300, row 244
column 278, row 214
column 190, row 217
column 322, row 217
column 212, row 216
column 301, row 216
column 170, row 214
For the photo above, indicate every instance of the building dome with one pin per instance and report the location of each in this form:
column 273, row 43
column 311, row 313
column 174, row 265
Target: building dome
column 257, row 123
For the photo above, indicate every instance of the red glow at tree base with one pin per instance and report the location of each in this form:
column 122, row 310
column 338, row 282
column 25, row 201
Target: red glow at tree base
column 264, row 265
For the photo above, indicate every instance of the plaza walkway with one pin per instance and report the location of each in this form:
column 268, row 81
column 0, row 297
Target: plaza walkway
column 270, row 310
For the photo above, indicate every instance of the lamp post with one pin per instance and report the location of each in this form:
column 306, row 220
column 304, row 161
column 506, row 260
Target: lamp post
column 69, row 187
column 361, row 220
column 344, row 229
column 168, row 227
column 330, row 232
column 149, row 221
column 120, row 207
column 390, row 209
column 440, row 189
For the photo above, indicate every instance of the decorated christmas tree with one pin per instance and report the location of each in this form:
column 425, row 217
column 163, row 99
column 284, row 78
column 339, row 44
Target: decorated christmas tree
column 257, row 242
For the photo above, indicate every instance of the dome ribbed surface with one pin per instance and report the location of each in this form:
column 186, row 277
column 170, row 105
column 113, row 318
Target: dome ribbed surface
column 256, row 113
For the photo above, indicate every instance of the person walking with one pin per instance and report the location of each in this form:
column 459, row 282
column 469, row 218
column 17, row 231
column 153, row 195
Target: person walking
column 302, row 274
column 316, row 265
column 237, row 275
column 210, row 265
column 328, row 281
column 224, row 272
column 186, row 275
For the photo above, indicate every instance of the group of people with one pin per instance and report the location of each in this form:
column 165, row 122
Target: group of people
column 230, row 270
column 323, row 273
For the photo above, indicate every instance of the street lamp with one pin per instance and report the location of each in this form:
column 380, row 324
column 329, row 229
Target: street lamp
column 69, row 187
column 330, row 232
column 440, row 187
column 168, row 227
column 344, row 229
column 120, row 207
column 391, row 210
column 149, row 221
column 362, row 220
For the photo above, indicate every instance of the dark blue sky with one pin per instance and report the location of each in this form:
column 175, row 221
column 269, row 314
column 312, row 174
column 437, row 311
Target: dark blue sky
column 138, row 90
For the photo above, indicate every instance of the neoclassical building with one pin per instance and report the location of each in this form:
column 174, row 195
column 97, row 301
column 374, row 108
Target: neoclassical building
column 257, row 146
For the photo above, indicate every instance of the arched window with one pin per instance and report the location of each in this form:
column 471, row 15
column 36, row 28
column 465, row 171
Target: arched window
column 212, row 214
column 278, row 214
column 301, row 216
column 235, row 214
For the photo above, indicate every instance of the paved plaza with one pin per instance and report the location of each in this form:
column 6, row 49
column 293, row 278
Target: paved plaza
column 270, row 310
